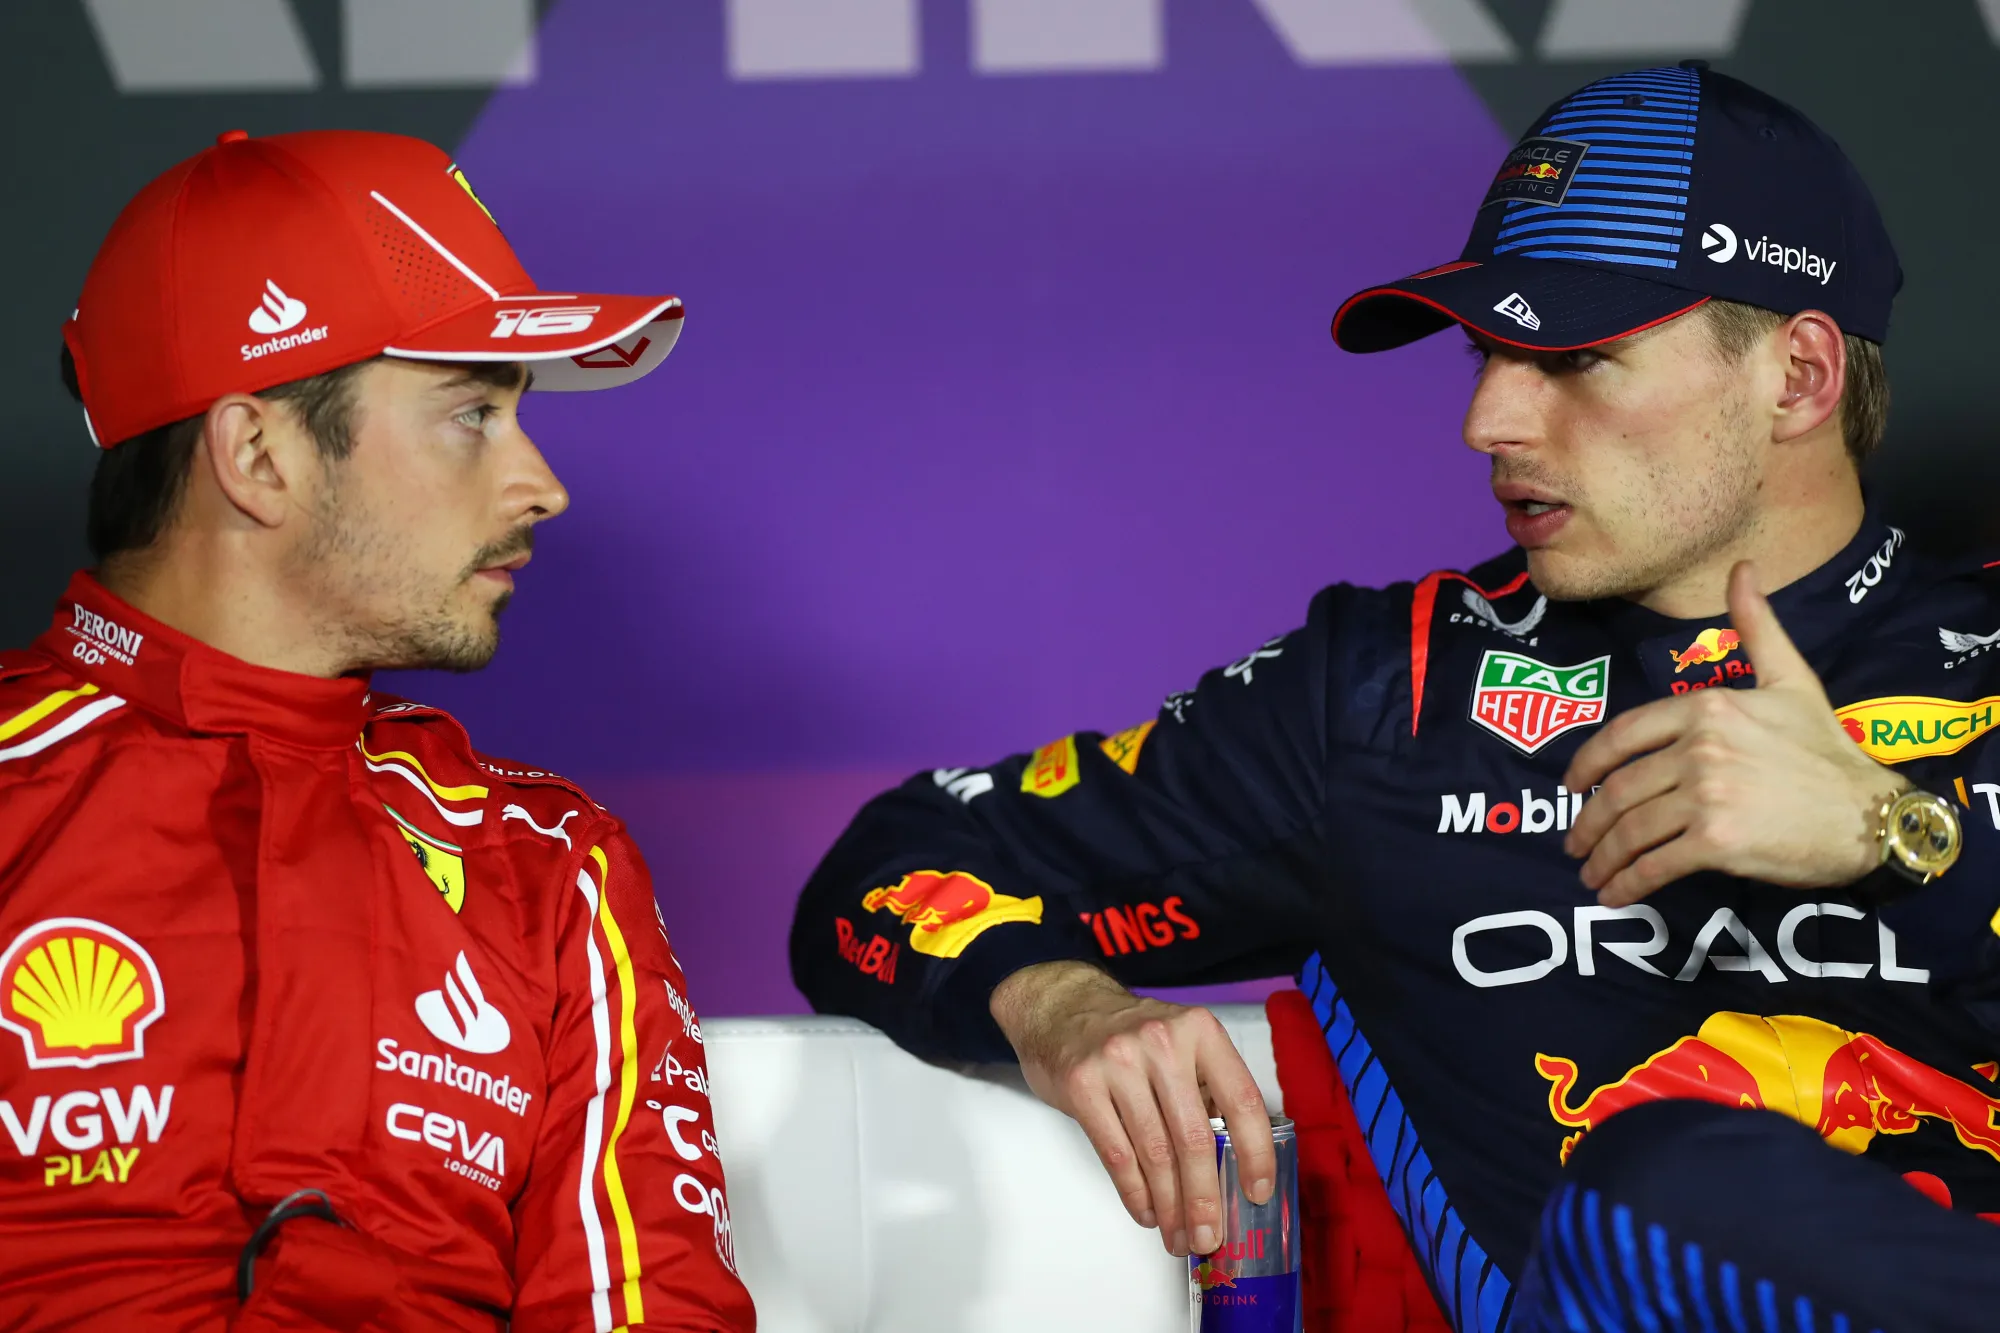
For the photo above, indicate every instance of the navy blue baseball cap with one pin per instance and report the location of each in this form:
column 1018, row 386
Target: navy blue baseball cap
column 1634, row 200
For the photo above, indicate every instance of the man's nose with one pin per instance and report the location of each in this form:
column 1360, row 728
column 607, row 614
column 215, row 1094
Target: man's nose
column 537, row 492
column 1504, row 409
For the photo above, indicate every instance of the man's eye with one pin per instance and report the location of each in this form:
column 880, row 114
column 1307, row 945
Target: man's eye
column 1581, row 359
column 475, row 418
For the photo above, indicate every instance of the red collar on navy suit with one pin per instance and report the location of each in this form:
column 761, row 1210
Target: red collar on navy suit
column 126, row 652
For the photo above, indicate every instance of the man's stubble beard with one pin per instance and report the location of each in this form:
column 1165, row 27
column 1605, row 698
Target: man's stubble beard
column 383, row 617
column 1676, row 523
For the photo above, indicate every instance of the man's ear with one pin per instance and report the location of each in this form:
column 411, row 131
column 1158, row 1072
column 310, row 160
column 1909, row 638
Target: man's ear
column 1815, row 353
column 257, row 451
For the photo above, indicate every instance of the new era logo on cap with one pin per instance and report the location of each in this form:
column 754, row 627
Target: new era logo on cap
column 278, row 311
column 1515, row 307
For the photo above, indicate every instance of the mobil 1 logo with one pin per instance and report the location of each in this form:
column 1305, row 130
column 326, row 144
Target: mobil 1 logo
column 1529, row 703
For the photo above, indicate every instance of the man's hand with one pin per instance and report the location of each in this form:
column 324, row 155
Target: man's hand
column 1759, row 783
column 1139, row 1076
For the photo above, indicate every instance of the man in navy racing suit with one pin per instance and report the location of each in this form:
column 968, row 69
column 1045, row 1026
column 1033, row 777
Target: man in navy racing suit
column 1590, row 826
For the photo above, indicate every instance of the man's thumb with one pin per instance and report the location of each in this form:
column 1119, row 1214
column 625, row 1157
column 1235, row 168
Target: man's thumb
column 1765, row 642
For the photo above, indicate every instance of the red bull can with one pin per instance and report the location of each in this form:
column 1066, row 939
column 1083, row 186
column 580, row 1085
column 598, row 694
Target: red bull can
column 1251, row 1283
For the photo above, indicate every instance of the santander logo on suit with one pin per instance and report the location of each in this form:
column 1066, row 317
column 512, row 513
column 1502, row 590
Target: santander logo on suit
column 460, row 1016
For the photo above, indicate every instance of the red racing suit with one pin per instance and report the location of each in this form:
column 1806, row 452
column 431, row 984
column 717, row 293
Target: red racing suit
column 266, row 933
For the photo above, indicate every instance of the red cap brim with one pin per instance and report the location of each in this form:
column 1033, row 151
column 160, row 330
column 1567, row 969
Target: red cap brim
column 571, row 342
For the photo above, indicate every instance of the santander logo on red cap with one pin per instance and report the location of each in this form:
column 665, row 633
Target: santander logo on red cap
column 278, row 313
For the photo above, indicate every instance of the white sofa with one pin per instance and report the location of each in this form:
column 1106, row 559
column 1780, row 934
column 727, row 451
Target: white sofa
column 873, row 1193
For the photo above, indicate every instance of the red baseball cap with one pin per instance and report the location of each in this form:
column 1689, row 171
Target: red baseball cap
column 261, row 261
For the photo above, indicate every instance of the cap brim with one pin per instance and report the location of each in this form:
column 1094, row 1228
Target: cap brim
column 1544, row 304
column 570, row 342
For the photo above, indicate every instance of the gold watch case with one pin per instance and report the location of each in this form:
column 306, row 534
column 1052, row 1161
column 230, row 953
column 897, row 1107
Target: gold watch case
column 1921, row 835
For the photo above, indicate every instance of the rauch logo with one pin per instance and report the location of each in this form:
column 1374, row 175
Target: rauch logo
column 1904, row 727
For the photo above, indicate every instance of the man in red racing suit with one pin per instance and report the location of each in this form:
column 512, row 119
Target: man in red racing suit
column 315, row 1017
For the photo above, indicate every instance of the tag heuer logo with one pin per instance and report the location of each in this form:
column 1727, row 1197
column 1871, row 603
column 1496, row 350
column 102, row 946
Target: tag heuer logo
column 1531, row 703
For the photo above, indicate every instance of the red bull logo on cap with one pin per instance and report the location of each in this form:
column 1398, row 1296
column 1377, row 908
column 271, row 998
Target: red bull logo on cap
column 1850, row 1086
column 947, row 910
column 1538, row 170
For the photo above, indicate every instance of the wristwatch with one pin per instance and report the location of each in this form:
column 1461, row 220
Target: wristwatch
column 1919, row 835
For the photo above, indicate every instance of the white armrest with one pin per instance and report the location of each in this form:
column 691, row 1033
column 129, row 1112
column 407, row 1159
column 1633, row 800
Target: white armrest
column 873, row 1193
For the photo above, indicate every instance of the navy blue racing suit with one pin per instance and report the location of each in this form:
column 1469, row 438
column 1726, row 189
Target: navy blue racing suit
column 1372, row 803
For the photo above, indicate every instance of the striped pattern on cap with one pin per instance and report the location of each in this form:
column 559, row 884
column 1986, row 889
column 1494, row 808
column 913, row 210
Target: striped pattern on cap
column 1627, row 203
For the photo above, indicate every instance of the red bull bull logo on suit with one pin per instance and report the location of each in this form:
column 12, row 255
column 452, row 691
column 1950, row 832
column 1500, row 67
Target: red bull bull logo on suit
column 1711, row 645
column 1849, row 1086
column 947, row 910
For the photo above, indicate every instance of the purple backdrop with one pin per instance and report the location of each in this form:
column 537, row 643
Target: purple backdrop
column 1005, row 407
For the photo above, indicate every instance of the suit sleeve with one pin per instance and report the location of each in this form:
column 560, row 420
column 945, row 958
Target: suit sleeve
column 1951, row 926
column 625, row 1220
column 1181, row 851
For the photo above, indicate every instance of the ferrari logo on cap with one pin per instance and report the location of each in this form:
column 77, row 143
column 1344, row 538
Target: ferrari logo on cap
column 471, row 193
